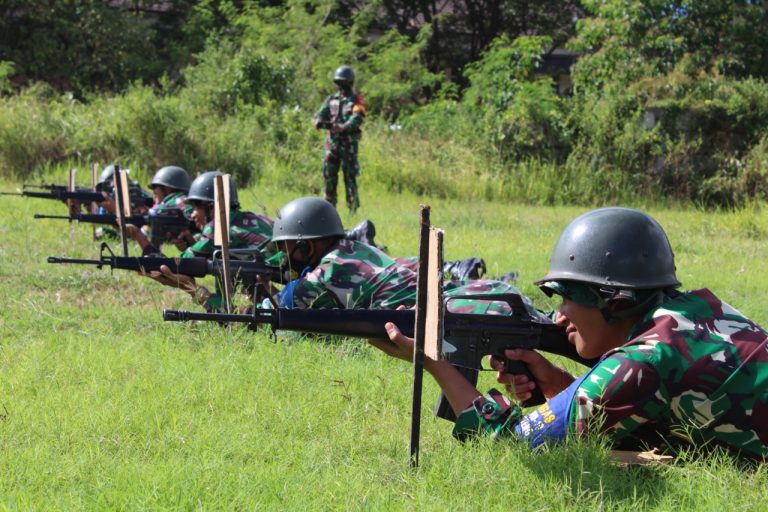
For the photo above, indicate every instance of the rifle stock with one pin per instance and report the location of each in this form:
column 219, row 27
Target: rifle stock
column 468, row 338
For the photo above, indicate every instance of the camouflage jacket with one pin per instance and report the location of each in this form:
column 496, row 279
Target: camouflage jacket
column 694, row 371
column 246, row 229
column 347, row 111
column 174, row 201
column 353, row 275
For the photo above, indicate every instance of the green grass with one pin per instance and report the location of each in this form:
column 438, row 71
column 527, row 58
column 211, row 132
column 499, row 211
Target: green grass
column 104, row 406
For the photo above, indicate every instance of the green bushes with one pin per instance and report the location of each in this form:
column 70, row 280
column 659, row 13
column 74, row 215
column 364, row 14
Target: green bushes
column 139, row 126
column 34, row 130
column 678, row 136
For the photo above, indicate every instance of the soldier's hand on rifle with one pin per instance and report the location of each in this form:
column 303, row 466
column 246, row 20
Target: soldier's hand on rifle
column 108, row 203
column 137, row 234
column 168, row 278
column 184, row 240
column 398, row 345
column 549, row 378
column 74, row 207
column 131, row 230
column 337, row 128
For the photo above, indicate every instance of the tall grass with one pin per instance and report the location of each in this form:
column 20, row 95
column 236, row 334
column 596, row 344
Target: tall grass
column 147, row 128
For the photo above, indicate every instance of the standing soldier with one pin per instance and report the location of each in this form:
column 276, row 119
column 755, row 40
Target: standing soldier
column 342, row 114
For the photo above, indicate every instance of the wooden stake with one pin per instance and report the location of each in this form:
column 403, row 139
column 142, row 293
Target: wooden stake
column 71, row 202
column 123, row 204
column 433, row 336
column 428, row 328
column 94, row 207
column 221, row 234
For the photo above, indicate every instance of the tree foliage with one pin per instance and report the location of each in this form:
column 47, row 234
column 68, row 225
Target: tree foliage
column 668, row 97
column 671, row 93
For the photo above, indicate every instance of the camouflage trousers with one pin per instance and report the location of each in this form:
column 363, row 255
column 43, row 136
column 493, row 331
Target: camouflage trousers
column 344, row 155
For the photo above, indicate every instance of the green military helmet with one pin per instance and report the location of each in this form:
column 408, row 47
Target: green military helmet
column 616, row 248
column 307, row 218
column 203, row 187
column 344, row 74
column 173, row 177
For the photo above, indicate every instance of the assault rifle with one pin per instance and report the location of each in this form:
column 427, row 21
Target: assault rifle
column 83, row 195
column 171, row 222
column 242, row 270
column 108, row 219
column 61, row 194
column 467, row 338
column 43, row 186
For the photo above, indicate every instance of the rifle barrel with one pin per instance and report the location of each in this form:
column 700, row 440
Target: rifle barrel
column 173, row 315
column 56, row 259
column 41, row 216
column 336, row 322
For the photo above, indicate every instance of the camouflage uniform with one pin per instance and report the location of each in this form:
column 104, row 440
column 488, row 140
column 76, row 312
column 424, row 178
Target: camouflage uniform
column 348, row 112
column 246, row 229
column 453, row 290
column 174, row 201
column 693, row 371
column 354, row 275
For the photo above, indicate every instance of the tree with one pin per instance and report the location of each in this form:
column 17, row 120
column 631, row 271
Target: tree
column 462, row 29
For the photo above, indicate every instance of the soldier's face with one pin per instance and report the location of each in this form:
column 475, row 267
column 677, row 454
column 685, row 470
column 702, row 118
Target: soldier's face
column 199, row 215
column 159, row 193
column 587, row 329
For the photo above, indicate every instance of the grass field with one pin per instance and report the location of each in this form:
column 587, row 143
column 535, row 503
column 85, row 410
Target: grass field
column 104, row 406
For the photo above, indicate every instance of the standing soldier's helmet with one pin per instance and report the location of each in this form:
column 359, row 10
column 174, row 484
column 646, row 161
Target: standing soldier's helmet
column 307, row 218
column 618, row 248
column 203, row 188
column 344, row 74
column 173, row 177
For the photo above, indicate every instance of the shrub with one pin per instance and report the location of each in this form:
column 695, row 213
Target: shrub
column 34, row 130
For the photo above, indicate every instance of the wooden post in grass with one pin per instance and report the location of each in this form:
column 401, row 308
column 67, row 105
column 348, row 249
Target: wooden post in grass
column 429, row 312
column 93, row 208
column 122, row 204
column 221, row 234
column 71, row 202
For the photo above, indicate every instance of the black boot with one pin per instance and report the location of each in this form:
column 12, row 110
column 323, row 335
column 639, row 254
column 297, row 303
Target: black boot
column 462, row 270
column 363, row 232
